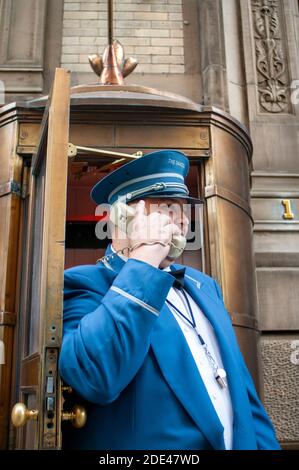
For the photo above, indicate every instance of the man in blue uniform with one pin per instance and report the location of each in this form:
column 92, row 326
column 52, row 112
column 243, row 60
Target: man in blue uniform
column 148, row 344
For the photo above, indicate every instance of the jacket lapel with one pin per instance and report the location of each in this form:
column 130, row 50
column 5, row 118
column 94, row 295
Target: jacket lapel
column 180, row 371
column 215, row 311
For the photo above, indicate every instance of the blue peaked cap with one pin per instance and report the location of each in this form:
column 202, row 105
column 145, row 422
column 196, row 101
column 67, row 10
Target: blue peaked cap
column 158, row 174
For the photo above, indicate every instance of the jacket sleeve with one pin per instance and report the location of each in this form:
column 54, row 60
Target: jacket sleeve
column 107, row 336
column 264, row 430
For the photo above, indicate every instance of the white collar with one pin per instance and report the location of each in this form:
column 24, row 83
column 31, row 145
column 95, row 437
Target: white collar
column 123, row 257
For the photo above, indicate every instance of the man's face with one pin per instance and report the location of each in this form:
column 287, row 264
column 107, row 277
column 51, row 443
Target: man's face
column 174, row 208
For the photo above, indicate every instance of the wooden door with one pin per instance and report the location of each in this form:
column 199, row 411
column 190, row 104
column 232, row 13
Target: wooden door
column 41, row 285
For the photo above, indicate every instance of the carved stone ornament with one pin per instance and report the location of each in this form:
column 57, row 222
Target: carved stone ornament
column 270, row 58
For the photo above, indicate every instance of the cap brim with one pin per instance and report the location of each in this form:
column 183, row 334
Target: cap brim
column 189, row 199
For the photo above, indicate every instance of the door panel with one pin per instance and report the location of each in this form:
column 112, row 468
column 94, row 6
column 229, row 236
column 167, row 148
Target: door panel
column 35, row 262
column 30, row 431
column 41, row 288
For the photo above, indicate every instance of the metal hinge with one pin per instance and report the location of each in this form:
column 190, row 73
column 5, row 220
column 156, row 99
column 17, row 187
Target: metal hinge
column 10, row 187
column 13, row 187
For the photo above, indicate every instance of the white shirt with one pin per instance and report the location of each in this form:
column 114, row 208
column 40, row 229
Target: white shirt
column 220, row 397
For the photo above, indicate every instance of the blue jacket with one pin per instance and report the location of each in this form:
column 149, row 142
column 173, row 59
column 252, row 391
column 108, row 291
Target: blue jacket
column 125, row 355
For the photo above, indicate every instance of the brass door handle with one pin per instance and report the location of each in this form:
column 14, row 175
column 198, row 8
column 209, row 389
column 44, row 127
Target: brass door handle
column 20, row 415
column 77, row 416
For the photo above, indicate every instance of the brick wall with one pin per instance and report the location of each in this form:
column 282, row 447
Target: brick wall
column 150, row 30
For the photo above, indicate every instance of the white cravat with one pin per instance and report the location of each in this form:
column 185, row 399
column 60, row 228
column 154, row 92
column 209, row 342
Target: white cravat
column 220, row 397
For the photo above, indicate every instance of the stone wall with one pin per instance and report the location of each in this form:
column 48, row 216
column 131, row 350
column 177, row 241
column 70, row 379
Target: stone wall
column 280, row 359
column 270, row 45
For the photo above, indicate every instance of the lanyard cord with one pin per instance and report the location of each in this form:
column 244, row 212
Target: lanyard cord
column 219, row 373
column 192, row 323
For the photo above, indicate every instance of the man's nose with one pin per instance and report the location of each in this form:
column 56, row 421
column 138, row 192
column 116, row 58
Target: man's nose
column 181, row 220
